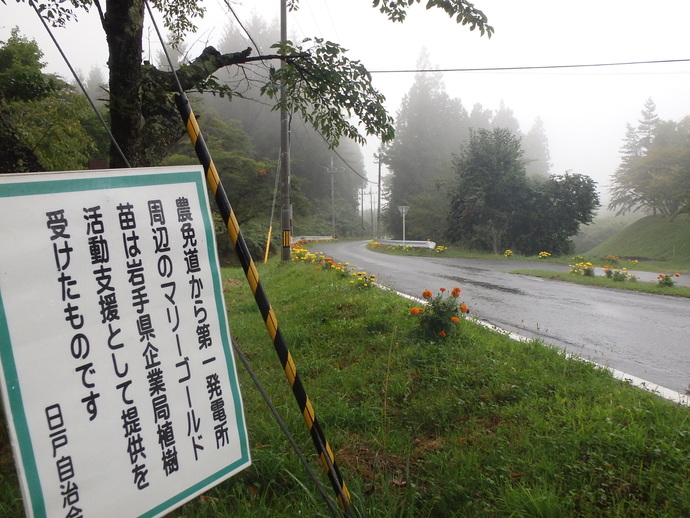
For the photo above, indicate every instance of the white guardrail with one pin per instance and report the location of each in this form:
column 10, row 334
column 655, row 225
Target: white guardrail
column 414, row 244
column 390, row 242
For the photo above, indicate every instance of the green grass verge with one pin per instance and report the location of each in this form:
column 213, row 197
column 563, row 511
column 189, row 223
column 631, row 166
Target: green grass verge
column 655, row 237
column 658, row 266
column 474, row 425
column 603, row 282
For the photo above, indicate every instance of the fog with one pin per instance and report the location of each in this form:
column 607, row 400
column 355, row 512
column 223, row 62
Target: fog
column 584, row 110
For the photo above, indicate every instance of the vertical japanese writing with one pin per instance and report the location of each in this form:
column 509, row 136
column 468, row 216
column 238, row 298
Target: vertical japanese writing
column 80, row 347
column 64, row 465
column 204, row 332
column 191, row 257
column 165, row 429
column 131, row 421
column 217, row 403
column 99, row 252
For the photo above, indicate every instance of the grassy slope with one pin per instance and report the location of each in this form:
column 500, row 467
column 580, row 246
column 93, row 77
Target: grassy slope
column 476, row 425
column 654, row 237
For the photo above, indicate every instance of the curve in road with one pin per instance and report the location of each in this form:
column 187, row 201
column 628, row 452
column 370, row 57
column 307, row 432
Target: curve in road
column 646, row 336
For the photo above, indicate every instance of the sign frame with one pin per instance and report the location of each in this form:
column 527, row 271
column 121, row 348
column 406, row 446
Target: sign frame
column 19, row 390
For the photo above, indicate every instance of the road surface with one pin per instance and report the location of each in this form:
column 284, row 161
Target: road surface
column 647, row 336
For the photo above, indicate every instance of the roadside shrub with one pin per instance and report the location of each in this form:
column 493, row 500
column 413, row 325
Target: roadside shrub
column 442, row 313
column 666, row 280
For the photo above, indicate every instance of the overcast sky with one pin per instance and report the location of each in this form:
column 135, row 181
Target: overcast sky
column 584, row 110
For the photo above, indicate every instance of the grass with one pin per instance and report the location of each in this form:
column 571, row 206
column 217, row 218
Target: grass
column 472, row 425
column 603, row 282
column 661, row 238
column 656, row 243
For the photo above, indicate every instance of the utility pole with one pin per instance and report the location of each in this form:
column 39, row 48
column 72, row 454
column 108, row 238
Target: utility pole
column 286, row 205
column 371, row 208
column 377, row 235
column 332, row 170
column 362, row 212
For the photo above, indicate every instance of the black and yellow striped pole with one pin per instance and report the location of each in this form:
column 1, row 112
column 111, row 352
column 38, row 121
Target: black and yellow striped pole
column 213, row 180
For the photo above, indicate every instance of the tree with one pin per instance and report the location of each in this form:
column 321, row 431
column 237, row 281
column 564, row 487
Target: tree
column 505, row 118
column 480, row 118
column 21, row 76
column 41, row 115
column 252, row 180
column 552, row 213
column 536, row 146
column 15, row 154
column 53, row 129
column 654, row 173
column 430, row 126
column 647, row 124
column 310, row 156
column 491, row 183
column 322, row 84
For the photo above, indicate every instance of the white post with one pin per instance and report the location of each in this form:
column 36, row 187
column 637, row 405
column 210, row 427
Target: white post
column 403, row 210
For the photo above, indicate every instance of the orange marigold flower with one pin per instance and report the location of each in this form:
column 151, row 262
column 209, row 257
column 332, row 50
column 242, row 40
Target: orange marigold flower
column 443, row 333
column 427, row 294
column 464, row 308
column 677, row 274
column 442, row 289
column 455, row 319
column 455, row 292
column 416, row 311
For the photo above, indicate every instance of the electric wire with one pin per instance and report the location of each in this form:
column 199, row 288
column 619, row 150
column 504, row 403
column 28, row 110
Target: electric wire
column 316, row 433
column 327, row 499
column 518, row 68
column 81, row 86
column 284, row 428
column 275, row 193
column 239, row 22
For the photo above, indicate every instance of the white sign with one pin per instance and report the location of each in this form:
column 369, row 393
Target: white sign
column 118, row 378
column 403, row 209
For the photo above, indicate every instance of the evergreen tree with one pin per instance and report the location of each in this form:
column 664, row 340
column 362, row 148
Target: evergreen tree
column 430, row 126
column 536, row 146
column 647, row 124
column 480, row 118
column 654, row 171
column 505, row 118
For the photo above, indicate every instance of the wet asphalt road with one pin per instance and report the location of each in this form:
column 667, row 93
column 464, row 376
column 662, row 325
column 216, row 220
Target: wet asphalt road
column 647, row 336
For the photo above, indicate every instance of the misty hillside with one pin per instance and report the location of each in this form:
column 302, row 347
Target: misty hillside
column 654, row 237
column 603, row 227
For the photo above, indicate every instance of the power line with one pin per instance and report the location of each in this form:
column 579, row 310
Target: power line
column 81, row 85
column 234, row 14
column 540, row 67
